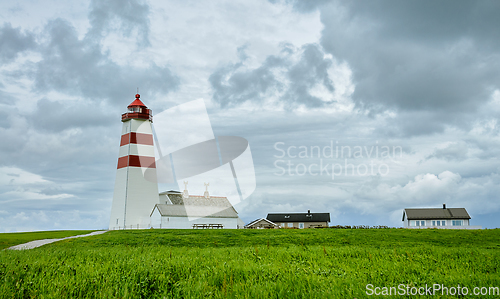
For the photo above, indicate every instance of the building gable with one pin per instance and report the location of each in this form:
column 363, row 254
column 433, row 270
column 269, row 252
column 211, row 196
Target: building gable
column 261, row 221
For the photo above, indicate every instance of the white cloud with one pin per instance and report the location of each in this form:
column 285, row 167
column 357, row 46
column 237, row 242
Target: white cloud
column 53, row 220
column 14, row 176
column 17, row 185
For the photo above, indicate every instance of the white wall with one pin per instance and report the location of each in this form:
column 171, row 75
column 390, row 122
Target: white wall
column 155, row 218
column 449, row 224
column 141, row 198
column 118, row 205
column 184, row 223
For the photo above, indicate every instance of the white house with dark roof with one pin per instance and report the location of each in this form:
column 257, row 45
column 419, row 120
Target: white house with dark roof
column 183, row 211
column 443, row 218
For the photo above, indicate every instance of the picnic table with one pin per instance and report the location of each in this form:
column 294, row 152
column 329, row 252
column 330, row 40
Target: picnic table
column 207, row 226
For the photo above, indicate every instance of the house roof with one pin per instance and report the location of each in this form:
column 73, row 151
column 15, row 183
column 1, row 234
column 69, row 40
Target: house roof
column 197, row 200
column 196, row 206
column 137, row 102
column 260, row 219
column 195, row 211
column 298, row 217
column 436, row 213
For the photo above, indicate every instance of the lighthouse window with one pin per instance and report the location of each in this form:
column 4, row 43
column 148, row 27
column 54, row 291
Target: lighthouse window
column 135, row 109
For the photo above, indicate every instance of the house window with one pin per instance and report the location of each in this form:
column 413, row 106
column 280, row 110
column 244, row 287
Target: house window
column 290, row 224
column 438, row 223
column 457, row 222
column 301, row 225
column 282, row 225
column 420, row 223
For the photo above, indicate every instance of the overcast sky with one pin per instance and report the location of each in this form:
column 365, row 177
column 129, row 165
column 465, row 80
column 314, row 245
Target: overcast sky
column 410, row 88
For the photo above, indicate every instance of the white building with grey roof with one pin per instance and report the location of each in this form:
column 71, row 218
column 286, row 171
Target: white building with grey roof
column 445, row 218
column 183, row 211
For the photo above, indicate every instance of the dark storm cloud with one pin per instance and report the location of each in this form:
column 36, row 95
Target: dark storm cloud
column 441, row 57
column 13, row 41
column 78, row 67
column 415, row 55
column 234, row 84
column 432, row 21
column 310, row 70
column 243, row 86
column 128, row 15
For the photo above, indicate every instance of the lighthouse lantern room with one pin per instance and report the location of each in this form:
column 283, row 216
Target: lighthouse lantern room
column 137, row 110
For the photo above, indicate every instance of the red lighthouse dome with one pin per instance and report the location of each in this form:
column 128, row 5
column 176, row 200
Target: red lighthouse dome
column 137, row 110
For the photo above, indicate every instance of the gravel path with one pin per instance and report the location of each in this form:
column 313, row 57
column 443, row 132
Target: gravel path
column 38, row 243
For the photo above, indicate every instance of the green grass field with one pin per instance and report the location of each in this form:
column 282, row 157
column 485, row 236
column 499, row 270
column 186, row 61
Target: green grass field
column 11, row 239
column 321, row 263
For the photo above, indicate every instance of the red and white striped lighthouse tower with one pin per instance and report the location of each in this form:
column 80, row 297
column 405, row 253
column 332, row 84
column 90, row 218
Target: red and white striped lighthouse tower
column 135, row 196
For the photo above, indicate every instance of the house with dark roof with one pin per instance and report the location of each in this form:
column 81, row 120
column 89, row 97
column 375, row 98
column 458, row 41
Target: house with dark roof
column 300, row 220
column 445, row 218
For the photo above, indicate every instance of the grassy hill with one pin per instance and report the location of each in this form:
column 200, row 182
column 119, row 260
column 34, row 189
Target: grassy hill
column 321, row 263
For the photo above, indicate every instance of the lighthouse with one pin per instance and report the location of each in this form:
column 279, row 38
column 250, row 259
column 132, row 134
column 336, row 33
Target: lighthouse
column 135, row 194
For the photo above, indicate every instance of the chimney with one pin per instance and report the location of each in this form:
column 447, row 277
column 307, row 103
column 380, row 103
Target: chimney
column 308, row 211
column 444, row 206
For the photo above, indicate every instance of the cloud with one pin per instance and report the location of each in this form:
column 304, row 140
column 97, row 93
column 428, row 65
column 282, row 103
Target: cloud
column 14, row 176
column 53, row 220
column 126, row 16
column 295, row 77
column 78, row 67
column 13, row 41
column 303, row 5
column 13, row 128
column 51, row 202
column 453, row 151
column 56, row 116
column 415, row 123
column 447, row 65
column 4, row 119
column 21, row 188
